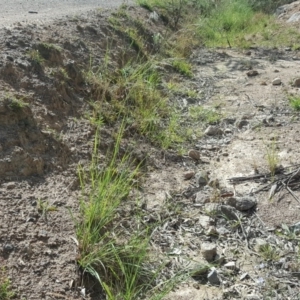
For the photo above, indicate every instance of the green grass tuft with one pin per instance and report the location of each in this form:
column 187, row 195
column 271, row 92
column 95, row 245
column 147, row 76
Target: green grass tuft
column 295, row 102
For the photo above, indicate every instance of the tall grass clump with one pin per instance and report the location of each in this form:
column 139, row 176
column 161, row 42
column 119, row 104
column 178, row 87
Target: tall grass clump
column 118, row 258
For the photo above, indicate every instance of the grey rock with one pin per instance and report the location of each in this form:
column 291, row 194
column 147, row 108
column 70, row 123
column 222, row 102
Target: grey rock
column 211, row 208
column 253, row 297
column 213, row 130
column 294, row 17
column 241, row 203
column 245, row 203
column 154, row 16
column 205, row 221
column 230, row 265
column 213, row 277
column 276, row 81
column 212, row 230
column 201, row 178
column 241, row 123
column 222, row 231
column 202, row 198
column 8, row 247
column 209, row 251
column 228, row 212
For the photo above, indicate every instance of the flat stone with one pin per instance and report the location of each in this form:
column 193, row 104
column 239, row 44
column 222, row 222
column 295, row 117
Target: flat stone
column 209, row 251
column 276, row 81
column 213, row 277
column 230, row 265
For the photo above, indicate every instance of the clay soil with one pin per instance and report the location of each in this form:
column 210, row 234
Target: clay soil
column 45, row 134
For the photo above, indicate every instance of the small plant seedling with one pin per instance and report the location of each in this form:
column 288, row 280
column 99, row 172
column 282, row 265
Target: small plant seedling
column 36, row 57
column 43, row 208
column 272, row 158
column 182, row 67
column 268, row 252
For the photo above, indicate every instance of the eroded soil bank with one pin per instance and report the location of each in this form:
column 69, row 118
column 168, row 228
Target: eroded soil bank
column 46, row 131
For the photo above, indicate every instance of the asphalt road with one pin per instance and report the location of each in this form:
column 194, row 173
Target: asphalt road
column 27, row 11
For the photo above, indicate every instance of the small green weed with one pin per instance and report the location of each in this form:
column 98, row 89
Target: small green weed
column 16, row 104
column 5, row 287
column 36, row 57
column 268, row 252
column 182, row 67
column 207, row 116
column 272, row 157
column 295, row 102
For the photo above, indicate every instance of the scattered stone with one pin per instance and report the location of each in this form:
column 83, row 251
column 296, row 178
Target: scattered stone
column 194, row 154
column 244, row 276
column 241, row 123
column 213, row 130
column 211, row 208
column 214, row 183
column 296, row 82
column 8, row 247
column 276, row 81
column 213, row 277
column 295, row 228
column 201, row 198
column 201, row 178
column 154, row 16
column 245, row 203
column 230, row 265
column 206, row 221
column 209, row 251
column 248, row 53
column 241, row 203
column 228, row 212
column 263, row 83
column 222, row 231
column 188, row 175
column 252, row 73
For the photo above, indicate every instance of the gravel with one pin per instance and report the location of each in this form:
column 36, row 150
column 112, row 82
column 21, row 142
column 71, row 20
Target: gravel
column 30, row 11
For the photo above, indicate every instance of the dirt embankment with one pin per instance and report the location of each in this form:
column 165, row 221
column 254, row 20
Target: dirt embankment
column 46, row 131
